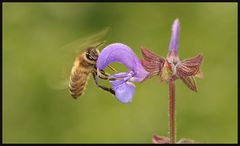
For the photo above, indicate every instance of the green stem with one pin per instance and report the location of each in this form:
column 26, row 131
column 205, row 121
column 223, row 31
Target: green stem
column 172, row 127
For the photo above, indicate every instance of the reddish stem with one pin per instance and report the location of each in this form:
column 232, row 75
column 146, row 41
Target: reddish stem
column 172, row 128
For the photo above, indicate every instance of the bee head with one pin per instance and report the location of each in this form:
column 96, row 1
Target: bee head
column 92, row 54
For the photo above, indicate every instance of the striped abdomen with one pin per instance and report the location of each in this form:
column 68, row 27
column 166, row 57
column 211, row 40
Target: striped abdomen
column 79, row 75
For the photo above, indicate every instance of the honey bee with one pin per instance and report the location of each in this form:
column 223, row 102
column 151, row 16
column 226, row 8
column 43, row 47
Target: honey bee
column 79, row 65
column 84, row 66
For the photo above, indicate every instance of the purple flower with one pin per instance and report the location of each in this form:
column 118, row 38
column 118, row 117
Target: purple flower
column 173, row 46
column 172, row 67
column 122, row 83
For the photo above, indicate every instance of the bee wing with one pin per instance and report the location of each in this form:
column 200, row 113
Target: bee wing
column 62, row 61
column 76, row 46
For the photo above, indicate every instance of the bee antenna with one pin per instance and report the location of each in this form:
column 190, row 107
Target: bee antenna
column 100, row 44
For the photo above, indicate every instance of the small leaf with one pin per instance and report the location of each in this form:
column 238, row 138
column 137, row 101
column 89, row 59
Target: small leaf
column 189, row 82
column 186, row 141
column 160, row 139
column 150, row 56
column 189, row 67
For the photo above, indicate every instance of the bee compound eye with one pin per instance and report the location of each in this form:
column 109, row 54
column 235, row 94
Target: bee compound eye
column 89, row 56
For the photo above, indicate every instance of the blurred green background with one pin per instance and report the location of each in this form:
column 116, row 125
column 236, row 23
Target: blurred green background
column 33, row 112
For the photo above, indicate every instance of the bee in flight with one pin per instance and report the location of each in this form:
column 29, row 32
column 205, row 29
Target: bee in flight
column 79, row 69
column 84, row 66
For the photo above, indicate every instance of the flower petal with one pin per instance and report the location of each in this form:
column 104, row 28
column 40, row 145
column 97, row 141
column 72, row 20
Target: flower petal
column 117, row 52
column 173, row 47
column 121, row 53
column 124, row 91
column 139, row 73
column 122, row 75
column 116, row 83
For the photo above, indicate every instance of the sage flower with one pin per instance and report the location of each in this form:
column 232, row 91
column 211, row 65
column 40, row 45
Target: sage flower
column 172, row 68
column 122, row 83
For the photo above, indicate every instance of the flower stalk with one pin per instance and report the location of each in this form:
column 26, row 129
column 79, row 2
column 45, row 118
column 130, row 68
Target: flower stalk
column 172, row 112
column 170, row 69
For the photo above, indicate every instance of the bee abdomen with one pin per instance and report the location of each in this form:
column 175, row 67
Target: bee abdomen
column 78, row 83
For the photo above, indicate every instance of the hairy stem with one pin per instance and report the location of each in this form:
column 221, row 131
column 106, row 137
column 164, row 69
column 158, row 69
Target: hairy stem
column 172, row 127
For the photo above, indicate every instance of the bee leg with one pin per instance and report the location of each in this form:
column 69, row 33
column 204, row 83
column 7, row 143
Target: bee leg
column 103, row 87
column 103, row 75
column 107, row 89
column 112, row 68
